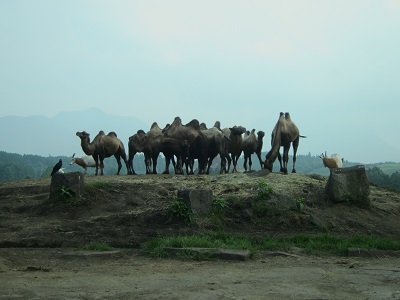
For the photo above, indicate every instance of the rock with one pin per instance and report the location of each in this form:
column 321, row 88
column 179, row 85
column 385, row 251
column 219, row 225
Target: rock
column 198, row 201
column 349, row 185
column 67, row 185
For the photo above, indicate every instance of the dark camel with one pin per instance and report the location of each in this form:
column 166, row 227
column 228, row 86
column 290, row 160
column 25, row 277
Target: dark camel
column 184, row 142
column 252, row 144
column 234, row 134
column 135, row 145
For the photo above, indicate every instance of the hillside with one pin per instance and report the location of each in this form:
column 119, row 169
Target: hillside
column 40, row 240
column 125, row 211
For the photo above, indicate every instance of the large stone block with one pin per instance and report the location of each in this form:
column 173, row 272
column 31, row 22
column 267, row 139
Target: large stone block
column 198, row 201
column 349, row 185
column 67, row 184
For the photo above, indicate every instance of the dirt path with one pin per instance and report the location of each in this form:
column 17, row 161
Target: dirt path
column 124, row 274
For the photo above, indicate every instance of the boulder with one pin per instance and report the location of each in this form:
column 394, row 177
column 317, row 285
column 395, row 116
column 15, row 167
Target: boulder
column 67, row 185
column 198, row 201
column 349, row 185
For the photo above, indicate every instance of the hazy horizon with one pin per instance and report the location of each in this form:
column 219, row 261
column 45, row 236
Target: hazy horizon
column 334, row 65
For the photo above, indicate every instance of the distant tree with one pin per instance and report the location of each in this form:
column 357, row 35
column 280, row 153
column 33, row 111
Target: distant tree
column 395, row 180
column 376, row 176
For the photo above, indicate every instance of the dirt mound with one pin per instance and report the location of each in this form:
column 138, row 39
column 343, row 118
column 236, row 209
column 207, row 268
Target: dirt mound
column 125, row 211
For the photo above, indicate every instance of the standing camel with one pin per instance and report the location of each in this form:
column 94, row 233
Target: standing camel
column 284, row 133
column 103, row 146
column 234, row 135
column 252, row 144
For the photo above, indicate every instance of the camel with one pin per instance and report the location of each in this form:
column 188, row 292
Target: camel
column 152, row 147
column 234, row 134
column 103, row 146
column 183, row 141
column 284, row 133
column 216, row 144
column 135, row 145
column 252, row 144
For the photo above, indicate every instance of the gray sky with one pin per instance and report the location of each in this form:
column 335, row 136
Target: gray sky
column 334, row 65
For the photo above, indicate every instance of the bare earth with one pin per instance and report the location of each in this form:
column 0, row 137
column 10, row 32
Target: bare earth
column 39, row 260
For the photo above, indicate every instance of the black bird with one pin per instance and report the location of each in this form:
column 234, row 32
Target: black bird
column 56, row 167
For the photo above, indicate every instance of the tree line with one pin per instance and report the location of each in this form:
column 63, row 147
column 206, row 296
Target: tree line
column 16, row 166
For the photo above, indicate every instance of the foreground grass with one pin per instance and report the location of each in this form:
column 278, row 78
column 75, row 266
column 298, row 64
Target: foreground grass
column 318, row 244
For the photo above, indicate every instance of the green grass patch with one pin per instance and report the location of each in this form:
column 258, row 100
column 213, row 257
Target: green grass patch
column 317, row 244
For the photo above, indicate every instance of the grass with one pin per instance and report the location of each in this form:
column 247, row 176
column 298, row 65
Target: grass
column 317, row 244
column 94, row 187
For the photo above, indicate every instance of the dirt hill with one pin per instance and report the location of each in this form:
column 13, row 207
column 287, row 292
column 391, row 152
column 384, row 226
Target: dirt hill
column 125, row 211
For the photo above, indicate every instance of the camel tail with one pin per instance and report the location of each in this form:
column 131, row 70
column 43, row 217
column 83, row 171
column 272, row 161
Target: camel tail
column 302, row 136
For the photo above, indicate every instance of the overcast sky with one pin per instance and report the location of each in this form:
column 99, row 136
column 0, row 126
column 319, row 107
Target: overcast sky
column 334, row 65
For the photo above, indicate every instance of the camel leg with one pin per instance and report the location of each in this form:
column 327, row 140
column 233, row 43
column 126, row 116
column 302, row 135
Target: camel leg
column 155, row 157
column 223, row 164
column 167, row 162
column 101, row 165
column 235, row 160
column 295, row 146
column 118, row 158
column 123, row 156
column 280, row 163
column 285, row 158
column 260, row 160
column 250, row 162
column 245, row 162
column 131, row 171
column 96, row 159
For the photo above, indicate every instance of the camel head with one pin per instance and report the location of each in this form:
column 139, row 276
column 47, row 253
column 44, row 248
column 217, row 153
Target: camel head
column 237, row 130
column 260, row 134
column 83, row 135
column 268, row 163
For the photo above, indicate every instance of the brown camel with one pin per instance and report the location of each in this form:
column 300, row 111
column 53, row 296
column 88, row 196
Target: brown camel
column 184, row 142
column 234, row 134
column 103, row 146
column 152, row 148
column 216, row 145
column 135, row 145
column 252, row 144
column 284, row 133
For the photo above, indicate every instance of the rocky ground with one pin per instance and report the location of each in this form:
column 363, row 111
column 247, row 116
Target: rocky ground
column 38, row 238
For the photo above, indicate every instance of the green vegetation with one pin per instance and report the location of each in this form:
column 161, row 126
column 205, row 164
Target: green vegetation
column 263, row 191
column 300, row 202
column 317, row 244
column 180, row 210
column 96, row 246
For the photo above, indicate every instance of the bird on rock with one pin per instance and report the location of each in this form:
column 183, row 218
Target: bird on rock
column 56, row 167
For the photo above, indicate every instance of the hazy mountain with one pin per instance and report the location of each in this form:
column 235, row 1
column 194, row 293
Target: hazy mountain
column 44, row 136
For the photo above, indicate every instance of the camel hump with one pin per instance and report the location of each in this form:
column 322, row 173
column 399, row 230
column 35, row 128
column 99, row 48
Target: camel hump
column 177, row 121
column 217, row 125
column 112, row 133
column 287, row 116
column 101, row 132
column 154, row 125
column 203, row 126
column 194, row 124
column 253, row 130
column 140, row 131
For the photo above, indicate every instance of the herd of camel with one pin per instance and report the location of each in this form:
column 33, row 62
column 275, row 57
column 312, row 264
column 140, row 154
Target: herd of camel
column 194, row 141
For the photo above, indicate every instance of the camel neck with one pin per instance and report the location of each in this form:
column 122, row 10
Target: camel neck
column 87, row 147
